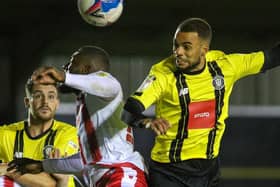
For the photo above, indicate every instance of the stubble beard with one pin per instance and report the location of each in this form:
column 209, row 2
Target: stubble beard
column 43, row 117
column 190, row 68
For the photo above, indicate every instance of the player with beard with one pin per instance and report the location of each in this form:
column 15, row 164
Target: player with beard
column 190, row 91
column 36, row 138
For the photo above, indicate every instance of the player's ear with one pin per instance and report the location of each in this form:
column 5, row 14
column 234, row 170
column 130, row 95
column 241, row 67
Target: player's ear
column 205, row 48
column 26, row 102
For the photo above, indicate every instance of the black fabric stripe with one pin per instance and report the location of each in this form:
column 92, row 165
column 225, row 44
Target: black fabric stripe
column 48, row 139
column 182, row 133
column 219, row 97
column 52, row 138
column 272, row 58
column 219, row 93
column 21, row 142
column 211, row 141
column 18, row 145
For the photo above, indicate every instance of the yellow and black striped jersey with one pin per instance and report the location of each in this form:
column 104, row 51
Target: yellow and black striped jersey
column 15, row 141
column 196, row 105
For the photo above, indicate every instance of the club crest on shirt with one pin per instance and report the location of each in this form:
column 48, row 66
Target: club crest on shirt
column 146, row 83
column 47, row 150
column 218, row 82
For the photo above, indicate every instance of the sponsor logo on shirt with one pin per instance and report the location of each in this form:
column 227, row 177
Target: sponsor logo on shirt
column 202, row 115
column 18, row 154
column 184, row 91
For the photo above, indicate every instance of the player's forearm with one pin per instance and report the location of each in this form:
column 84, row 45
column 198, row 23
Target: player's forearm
column 272, row 58
column 94, row 84
column 68, row 165
column 36, row 180
column 132, row 114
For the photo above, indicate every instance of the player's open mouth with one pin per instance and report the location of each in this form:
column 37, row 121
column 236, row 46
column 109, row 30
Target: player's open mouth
column 180, row 61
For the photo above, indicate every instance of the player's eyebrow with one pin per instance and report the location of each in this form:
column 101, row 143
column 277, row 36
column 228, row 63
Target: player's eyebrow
column 52, row 92
column 184, row 43
column 187, row 43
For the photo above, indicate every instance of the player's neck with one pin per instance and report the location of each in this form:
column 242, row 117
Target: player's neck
column 38, row 127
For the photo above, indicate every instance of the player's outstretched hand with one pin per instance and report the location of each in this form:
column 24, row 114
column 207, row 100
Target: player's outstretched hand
column 48, row 75
column 25, row 165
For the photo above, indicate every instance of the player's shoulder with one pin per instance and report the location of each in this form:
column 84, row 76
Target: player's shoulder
column 101, row 74
column 9, row 131
column 214, row 55
column 104, row 74
column 63, row 126
column 13, row 126
column 165, row 66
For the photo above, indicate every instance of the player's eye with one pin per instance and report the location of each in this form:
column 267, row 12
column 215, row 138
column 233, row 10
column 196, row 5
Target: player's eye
column 187, row 47
column 37, row 96
column 52, row 97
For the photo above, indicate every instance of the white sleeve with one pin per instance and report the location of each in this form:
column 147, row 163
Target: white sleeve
column 67, row 165
column 101, row 84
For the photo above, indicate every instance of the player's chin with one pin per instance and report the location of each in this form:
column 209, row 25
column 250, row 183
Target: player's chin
column 182, row 65
column 46, row 116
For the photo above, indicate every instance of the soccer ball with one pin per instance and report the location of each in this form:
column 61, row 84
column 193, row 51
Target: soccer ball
column 100, row 13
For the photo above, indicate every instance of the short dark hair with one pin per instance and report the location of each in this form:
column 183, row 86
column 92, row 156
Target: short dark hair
column 198, row 25
column 100, row 56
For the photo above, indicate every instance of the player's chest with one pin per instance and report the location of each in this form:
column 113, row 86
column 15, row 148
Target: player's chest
column 195, row 88
column 36, row 148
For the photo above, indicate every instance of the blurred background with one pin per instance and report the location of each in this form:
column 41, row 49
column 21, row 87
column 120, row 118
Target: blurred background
column 35, row 33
